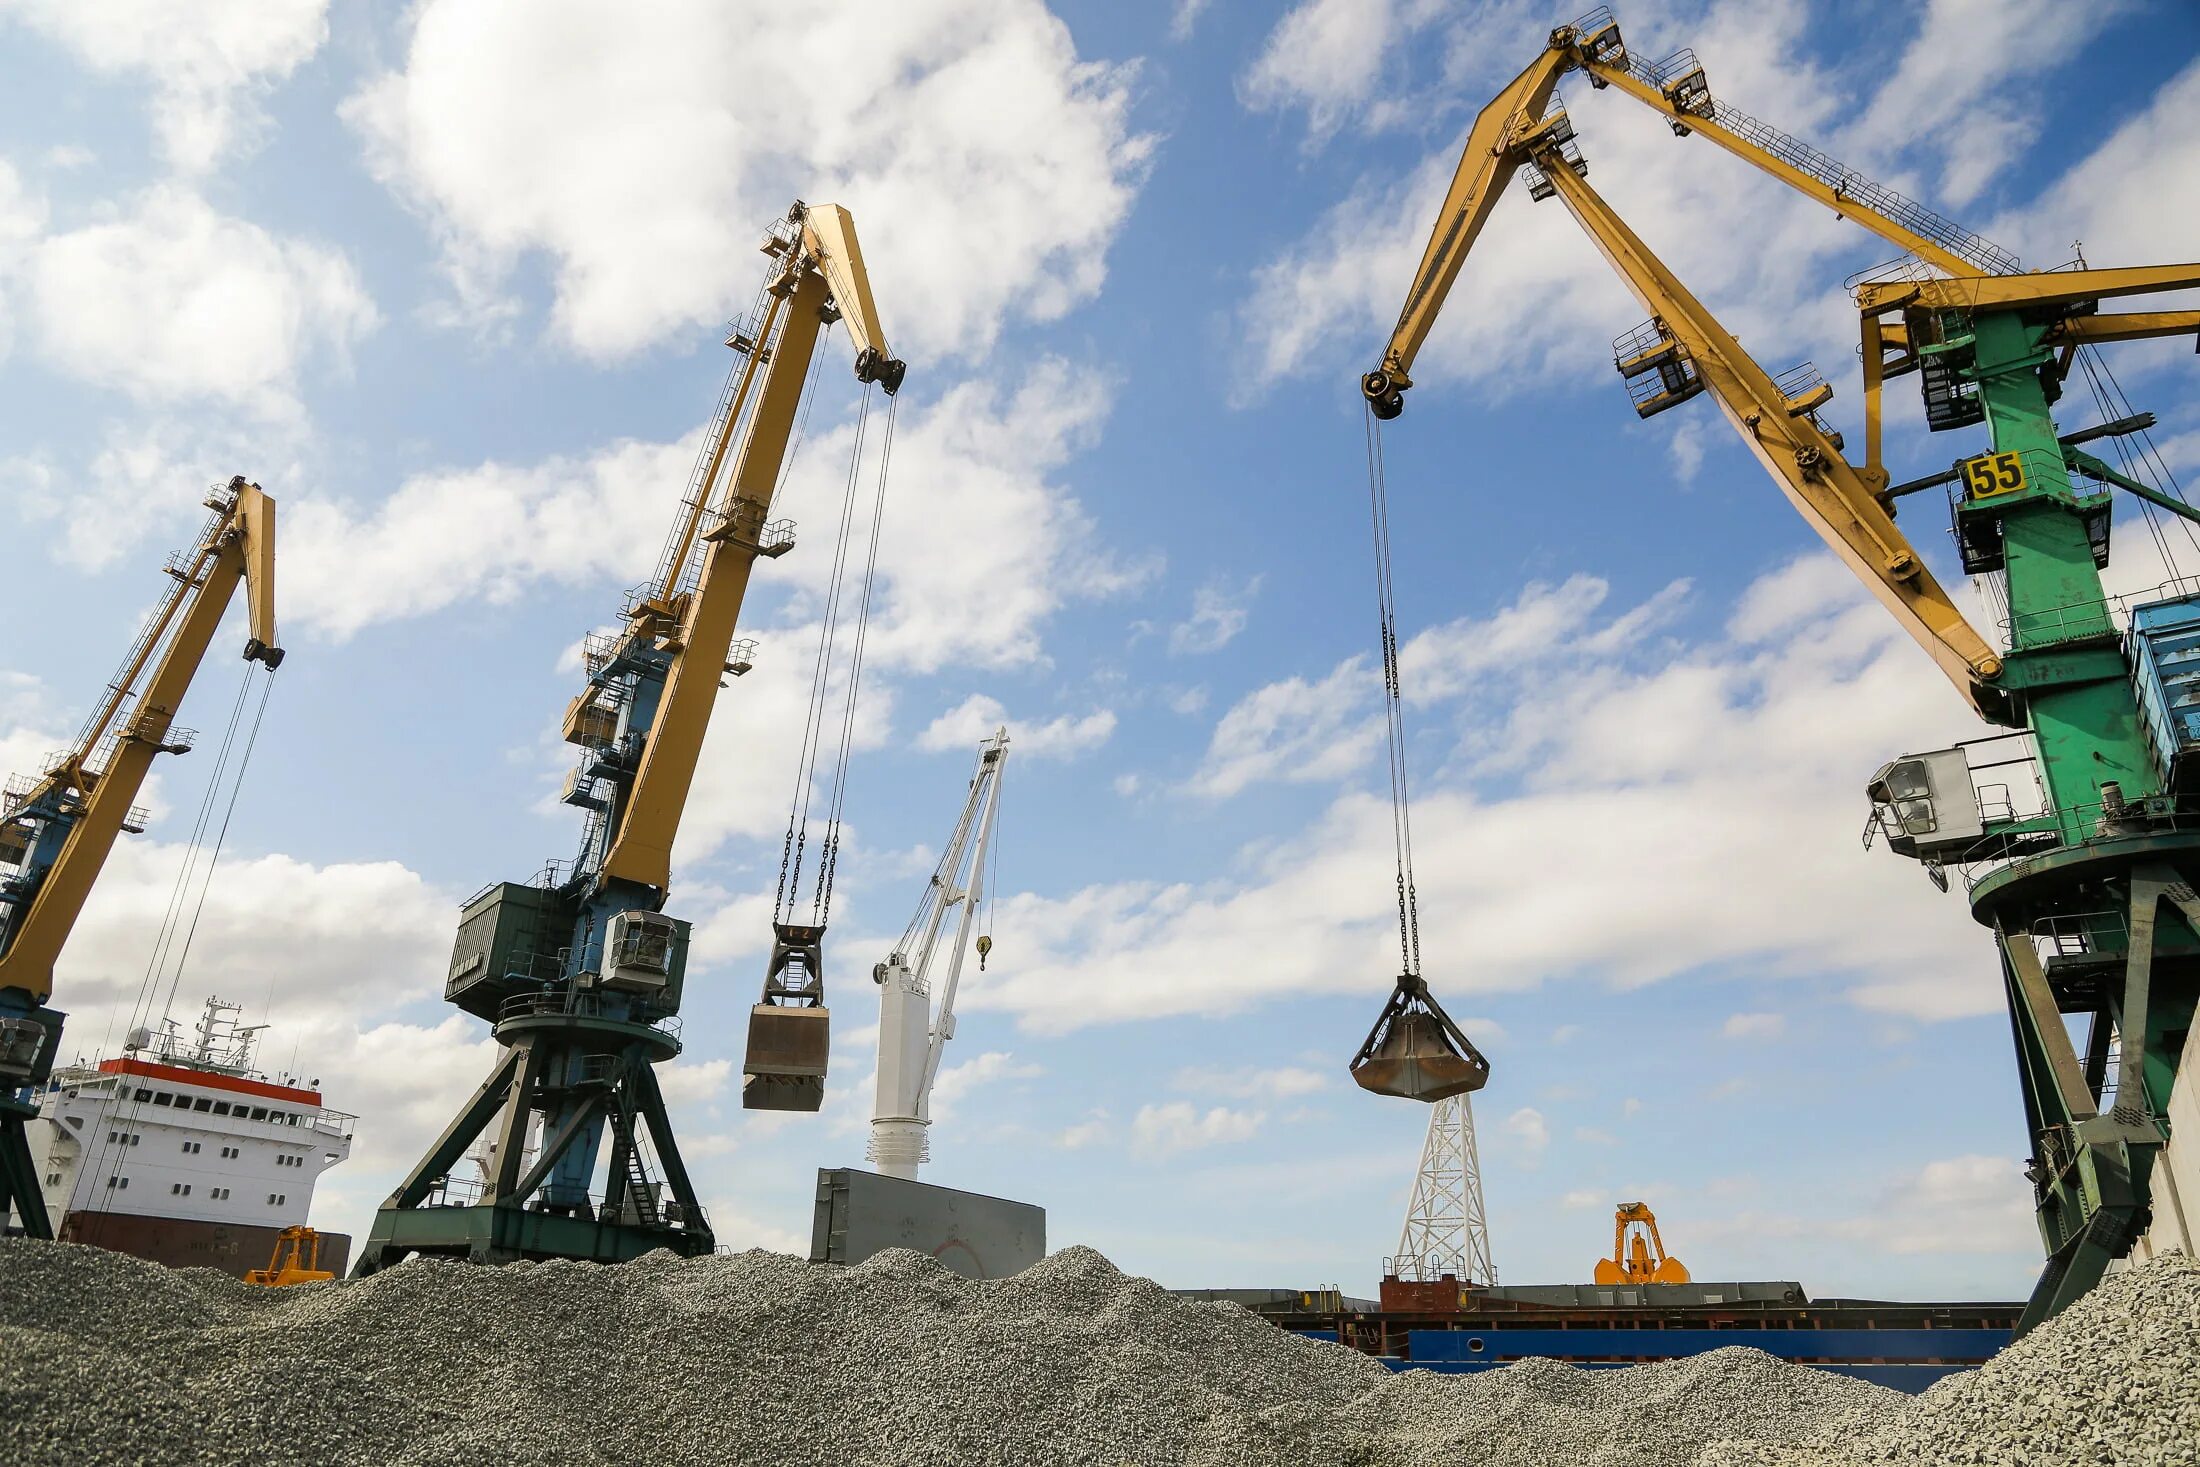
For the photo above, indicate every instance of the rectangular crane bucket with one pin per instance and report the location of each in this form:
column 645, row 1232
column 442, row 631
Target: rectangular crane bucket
column 785, row 1066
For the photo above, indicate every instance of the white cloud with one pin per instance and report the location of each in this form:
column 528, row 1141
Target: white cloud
column 147, row 479
column 1186, row 18
column 1287, row 1082
column 492, row 532
column 694, row 1082
column 616, row 145
column 1159, row 1131
column 1630, row 1107
column 1753, row 1026
column 1324, row 55
column 1565, row 1033
column 1301, row 732
column 1949, row 1208
column 1591, row 1136
column 955, row 1082
column 1094, row 1130
column 208, row 62
column 170, row 300
column 1219, row 613
column 1352, row 60
column 1958, row 82
column 1294, row 730
column 1656, row 744
column 948, row 593
column 1582, row 1197
column 1065, row 737
column 2152, row 156
column 1527, row 1127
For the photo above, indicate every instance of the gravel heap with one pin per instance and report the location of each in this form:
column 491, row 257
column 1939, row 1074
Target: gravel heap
column 763, row 1358
column 2112, row 1381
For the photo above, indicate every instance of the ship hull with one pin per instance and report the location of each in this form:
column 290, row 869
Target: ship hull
column 232, row 1248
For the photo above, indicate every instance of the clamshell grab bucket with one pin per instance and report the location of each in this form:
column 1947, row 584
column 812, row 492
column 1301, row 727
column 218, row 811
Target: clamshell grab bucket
column 1416, row 1052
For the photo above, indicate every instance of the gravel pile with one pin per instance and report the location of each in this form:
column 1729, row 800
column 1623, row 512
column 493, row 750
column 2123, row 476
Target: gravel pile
column 2112, row 1381
column 763, row 1358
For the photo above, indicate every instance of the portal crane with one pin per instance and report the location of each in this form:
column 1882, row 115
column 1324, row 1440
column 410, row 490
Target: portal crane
column 2078, row 917
column 57, row 828
column 1638, row 1253
column 912, row 1031
column 581, row 971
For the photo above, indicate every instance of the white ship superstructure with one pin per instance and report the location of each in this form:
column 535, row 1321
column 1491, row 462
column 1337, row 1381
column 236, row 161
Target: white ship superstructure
column 180, row 1150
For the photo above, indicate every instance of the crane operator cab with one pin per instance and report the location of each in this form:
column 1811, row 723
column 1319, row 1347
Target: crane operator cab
column 790, row 1032
column 1415, row 1051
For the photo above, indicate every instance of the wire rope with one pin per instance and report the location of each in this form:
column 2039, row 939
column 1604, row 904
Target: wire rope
column 821, row 902
column 1401, row 818
column 794, row 848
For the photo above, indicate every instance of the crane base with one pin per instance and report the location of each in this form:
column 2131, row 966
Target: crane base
column 490, row 1233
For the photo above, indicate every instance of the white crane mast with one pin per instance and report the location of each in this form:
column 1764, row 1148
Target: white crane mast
column 911, row 1033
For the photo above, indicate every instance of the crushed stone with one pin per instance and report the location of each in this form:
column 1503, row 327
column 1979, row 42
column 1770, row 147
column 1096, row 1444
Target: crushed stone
column 763, row 1358
column 2112, row 1381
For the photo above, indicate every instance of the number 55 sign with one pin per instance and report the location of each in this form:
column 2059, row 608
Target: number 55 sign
column 1993, row 473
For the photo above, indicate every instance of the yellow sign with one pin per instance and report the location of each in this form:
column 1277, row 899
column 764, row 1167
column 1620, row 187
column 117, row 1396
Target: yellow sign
column 1993, row 473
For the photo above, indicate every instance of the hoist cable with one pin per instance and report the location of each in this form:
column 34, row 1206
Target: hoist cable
column 127, row 1109
column 2146, row 455
column 1401, row 819
column 221, row 838
column 821, row 902
column 794, row 848
column 2105, row 406
column 172, row 918
column 993, row 847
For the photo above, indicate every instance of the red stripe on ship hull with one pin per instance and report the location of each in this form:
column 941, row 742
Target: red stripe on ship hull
column 189, row 1243
column 180, row 1076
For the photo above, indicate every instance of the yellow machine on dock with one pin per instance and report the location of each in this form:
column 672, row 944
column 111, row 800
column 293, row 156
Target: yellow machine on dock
column 297, row 1260
column 1638, row 1253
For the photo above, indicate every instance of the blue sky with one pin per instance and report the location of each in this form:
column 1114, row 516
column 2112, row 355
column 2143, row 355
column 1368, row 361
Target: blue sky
column 446, row 283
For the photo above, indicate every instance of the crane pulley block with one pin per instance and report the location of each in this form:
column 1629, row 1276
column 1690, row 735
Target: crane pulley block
column 1415, row 1051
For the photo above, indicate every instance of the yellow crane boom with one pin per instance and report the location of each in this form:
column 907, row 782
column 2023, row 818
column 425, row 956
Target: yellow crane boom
column 1683, row 350
column 57, row 828
column 100, row 775
column 821, row 264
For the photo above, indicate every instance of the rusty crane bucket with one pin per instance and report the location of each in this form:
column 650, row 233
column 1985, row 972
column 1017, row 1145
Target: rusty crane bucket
column 1416, row 1052
column 790, row 1031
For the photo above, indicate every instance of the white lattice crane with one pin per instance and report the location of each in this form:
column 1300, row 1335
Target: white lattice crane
column 912, row 1031
column 1445, row 1229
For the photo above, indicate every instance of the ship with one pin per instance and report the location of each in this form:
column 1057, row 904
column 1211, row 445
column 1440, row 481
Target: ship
column 182, row 1152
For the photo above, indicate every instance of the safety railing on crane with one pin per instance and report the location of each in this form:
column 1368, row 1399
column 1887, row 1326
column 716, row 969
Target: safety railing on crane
column 2003, row 849
column 2087, row 618
column 1679, row 78
column 1658, row 371
column 753, row 336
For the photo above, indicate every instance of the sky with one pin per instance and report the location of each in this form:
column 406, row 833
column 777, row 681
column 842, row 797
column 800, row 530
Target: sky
column 449, row 282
